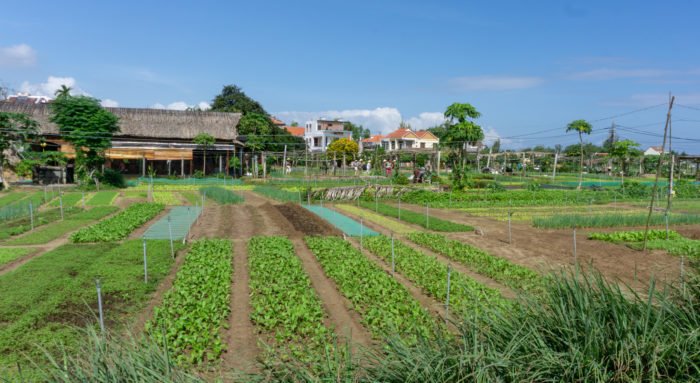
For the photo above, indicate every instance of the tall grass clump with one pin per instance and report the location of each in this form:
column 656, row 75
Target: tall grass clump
column 563, row 221
column 107, row 359
column 221, row 195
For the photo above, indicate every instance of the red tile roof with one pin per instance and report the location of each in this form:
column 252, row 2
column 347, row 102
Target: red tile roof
column 275, row 121
column 400, row 133
column 376, row 138
column 295, row 130
column 424, row 134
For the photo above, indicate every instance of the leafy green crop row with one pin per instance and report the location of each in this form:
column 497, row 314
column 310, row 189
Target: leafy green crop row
column 194, row 311
column 166, row 198
column 466, row 295
column 385, row 305
column 278, row 194
column 611, row 220
column 656, row 240
column 633, row 236
column 428, row 222
column 498, row 269
column 221, row 195
column 285, row 305
column 118, row 226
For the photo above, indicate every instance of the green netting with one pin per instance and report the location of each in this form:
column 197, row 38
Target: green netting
column 181, row 218
column 190, row 181
column 344, row 223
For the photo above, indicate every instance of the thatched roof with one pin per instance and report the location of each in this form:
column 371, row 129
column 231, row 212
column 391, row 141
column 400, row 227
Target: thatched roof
column 151, row 123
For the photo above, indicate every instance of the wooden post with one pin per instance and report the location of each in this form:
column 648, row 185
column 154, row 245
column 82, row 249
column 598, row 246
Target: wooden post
column 182, row 167
column 143, row 166
column 227, row 161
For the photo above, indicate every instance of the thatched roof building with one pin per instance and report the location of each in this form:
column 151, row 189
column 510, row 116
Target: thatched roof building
column 151, row 123
column 151, row 135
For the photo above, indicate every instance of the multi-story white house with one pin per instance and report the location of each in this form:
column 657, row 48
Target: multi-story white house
column 318, row 134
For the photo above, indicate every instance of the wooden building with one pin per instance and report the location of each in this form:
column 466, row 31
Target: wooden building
column 156, row 139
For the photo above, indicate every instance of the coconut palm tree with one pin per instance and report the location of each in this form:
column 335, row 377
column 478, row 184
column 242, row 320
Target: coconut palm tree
column 63, row 91
column 581, row 127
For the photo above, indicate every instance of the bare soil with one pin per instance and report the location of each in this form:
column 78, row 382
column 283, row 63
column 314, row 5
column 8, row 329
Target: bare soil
column 548, row 250
column 305, row 221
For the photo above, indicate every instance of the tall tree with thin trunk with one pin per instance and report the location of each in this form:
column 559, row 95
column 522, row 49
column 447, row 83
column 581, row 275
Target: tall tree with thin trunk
column 205, row 140
column 581, row 127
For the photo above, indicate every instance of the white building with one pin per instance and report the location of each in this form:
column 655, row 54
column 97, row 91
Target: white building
column 653, row 151
column 404, row 138
column 318, row 134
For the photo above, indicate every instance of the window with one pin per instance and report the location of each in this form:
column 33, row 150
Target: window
column 422, row 145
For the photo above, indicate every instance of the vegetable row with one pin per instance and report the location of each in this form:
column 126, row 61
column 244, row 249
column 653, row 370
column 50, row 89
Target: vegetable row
column 421, row 219
column 118, row 226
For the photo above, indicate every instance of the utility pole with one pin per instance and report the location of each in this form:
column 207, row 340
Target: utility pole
column 658, row 172
column 673, row 161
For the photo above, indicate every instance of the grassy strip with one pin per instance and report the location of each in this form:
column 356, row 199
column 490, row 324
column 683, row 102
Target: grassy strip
column 23, row 225
column 467, row 296
column 610, row 220
column 166, row 198
column 119, row 226
column 43, row 301
column 8, row 198
column 286, row 308
column 430, row 223
column 498, row 269
column 221, row 195
column 194, row 311
column 45, row 234
column 278, row 194
column 20, row 209
column 8, row 255
column 390, row 224
column 191, row 197
column 134, row 194
column 384, row 304
column 69, row 199
column 102, row 198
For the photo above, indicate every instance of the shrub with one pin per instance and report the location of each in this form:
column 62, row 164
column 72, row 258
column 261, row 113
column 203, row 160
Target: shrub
column 400, row 179
column 113, row 178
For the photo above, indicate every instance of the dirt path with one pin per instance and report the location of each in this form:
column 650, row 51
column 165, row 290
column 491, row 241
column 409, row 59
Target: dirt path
column 547, row 250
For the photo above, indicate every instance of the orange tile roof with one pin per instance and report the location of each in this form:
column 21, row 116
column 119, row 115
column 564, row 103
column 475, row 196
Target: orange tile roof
column 295, row 130
column 376, row 138
column 425, row 134
column 275, row 121
column 400, row 133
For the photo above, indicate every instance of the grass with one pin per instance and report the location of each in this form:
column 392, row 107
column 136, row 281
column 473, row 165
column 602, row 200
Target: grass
column 55, row 230
column 22, row 225
column 563, row 221
column 221, row 195
column 70, row 199
column 43, row 300
column 166, row 198
column 390, row 224
column 9, row 254
column 103, row 198
column 419, row 219
column 191, row 197
column 8, row 198
column 279, row 195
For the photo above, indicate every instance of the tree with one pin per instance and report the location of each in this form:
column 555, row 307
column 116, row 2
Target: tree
column 294, row 123
column 358, row 131
column 343, row 146
column 461, row 131
column 233, row 99
column 63, row 91
column 623, row 150
column 581, row 127
column 205, row 140
column 496, row 147
column 611, row 139
column 16, row 129
column 89, row 127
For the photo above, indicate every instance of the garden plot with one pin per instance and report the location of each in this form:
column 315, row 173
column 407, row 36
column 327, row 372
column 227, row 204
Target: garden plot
column 178, row 221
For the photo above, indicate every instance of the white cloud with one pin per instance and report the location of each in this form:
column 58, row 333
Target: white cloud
column 494, row 82
column 426, row 120
column 642, row 100
column 53, row 83
column 108, row 103
column 491, row 135
column 17, row 56
column 181, row 105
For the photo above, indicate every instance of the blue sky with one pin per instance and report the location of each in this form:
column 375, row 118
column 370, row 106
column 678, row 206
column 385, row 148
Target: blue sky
column 527, row 66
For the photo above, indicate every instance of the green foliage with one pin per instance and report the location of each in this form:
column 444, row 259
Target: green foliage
column 460, row 127
column 279, row 194
column 9, row 254
column 386, row 307
column 467, row 296
column 579, row 126
column 431, row 223
column 676, row 244
column 400, row 179
column 233, row 99
column 221, row 195
column 195, row 309
column 16, row 129
column 113, row 178
column 119, row 226
column 498, row 269
column 633, row 236
column 285, row 305
column 562, row 221
column 45, row 302
column 47, row 233
column 358, row 131
column 534, row 186
column 88, row 127
column 343, row 146
column 8, row 198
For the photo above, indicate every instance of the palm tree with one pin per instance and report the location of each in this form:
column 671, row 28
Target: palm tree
column 581, row 127
column 63, row 91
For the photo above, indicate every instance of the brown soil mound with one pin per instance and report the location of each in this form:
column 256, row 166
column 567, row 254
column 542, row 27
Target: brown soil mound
column 305, row 221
